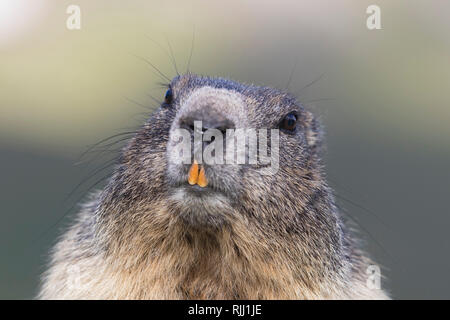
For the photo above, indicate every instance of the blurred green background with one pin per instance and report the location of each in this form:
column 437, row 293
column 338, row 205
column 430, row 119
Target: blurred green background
column 383, row 97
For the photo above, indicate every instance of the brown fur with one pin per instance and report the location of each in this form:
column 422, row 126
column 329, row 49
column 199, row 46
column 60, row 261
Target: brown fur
column 261, row 237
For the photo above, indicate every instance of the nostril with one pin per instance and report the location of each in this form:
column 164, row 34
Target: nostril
column 224, row 129
column 209, row 120
column 187, row 124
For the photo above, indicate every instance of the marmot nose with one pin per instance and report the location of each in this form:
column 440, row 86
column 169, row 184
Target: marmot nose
column 210, row 119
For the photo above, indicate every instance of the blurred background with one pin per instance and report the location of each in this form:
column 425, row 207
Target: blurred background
column 383, row 96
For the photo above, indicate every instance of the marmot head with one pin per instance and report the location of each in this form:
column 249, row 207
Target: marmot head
column 284, row 206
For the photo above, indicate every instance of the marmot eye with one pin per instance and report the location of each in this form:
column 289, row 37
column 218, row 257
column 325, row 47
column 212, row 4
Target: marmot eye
column 289, row 122
column 168, row 97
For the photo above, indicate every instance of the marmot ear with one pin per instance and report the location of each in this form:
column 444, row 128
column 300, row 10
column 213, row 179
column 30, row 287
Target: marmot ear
column 314, row 132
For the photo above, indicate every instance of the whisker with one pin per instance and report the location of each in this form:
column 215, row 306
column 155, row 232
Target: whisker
column 361, row 227
column 163, row 76
column 172, row 55
column 192, row 49
column 109, row 163
column 310, row 84
column 367, row 211
column 102, row 141
column 160, row 85
column 137, row 103
column 158, row 44
column 158, row 102
column 60, row 219
column 104, row 149
column 291, row 75
column 169, row 55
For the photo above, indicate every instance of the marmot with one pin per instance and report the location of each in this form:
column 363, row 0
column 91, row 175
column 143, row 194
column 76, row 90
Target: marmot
column 160, row 231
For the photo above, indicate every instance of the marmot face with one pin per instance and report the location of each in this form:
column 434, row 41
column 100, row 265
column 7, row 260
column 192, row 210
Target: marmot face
column 293, row 204
column 223, row 105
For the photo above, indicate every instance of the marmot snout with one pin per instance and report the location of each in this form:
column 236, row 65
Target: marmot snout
column 171, row 224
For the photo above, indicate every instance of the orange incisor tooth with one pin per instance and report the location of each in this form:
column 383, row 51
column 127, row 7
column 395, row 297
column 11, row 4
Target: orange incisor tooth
column 193, row 174
column 202, row 181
